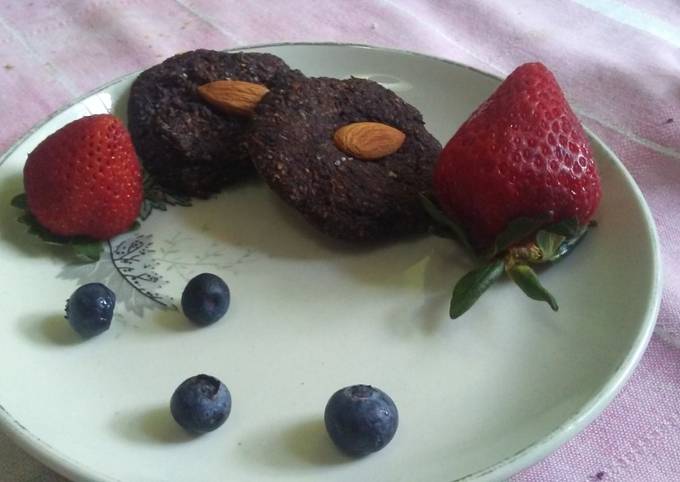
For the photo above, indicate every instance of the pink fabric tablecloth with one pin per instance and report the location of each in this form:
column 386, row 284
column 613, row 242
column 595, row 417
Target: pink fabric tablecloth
column 617, row 60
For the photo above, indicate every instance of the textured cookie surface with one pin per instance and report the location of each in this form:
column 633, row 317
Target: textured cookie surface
column 188, row 146
column 293, row 150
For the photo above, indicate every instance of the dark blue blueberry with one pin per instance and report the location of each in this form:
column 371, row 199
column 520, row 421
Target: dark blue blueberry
column 205, row 299
column 90, row 308
column 201, row 404
column 361, row 419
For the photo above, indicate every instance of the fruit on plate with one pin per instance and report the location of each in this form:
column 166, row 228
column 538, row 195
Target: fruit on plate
column 84, row 180
column 361, row 419
column 89, row 309
column 205, row 299
column 201, row 404
column 517, row 184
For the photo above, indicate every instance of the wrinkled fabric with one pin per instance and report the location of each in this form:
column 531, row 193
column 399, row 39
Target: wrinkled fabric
column 617, row 60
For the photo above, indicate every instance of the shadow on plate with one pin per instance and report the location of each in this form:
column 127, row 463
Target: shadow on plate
column 442, row 272
column 304, row 443
column 153, row 425
column 171, row 320
column 435, row 275
column 51, row 330
column 252, row 216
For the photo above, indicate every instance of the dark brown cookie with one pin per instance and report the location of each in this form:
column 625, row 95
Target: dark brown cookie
column 188, row 146
column 292, row 148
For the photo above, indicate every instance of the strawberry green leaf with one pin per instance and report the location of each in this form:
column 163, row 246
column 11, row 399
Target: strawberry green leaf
column 155, row 197
column 84, row 248
column 471, row 286
column 444, row 224
column 526, row 279
column 35, row 228
column 558, row 240
column 19, row 201
column 26, row 218
column 88, row 251
column 516, row 231
column 569, row 244
column 549, row 243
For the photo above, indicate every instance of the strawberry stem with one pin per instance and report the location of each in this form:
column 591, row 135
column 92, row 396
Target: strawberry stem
column 515, row 232
column 549, row 244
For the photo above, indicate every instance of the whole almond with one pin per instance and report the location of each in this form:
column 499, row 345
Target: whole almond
column 368, row 140
column 233, row 96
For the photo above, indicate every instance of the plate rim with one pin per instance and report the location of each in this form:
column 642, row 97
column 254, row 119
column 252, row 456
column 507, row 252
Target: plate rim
column 527, row 456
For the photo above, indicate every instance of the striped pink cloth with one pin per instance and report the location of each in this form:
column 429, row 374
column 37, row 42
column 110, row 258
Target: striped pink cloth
column 618, row 61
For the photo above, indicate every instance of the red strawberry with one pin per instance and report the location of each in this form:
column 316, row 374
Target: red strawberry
column 85, row 179
column 522, row 153
column 520, row 179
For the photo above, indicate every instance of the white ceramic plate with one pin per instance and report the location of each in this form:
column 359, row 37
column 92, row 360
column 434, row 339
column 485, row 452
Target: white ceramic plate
column 479, row 398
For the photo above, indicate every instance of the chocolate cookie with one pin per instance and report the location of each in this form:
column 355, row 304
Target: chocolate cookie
column 188, row 146
column 292, row 148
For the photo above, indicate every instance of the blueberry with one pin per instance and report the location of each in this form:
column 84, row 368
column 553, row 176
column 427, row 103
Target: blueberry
column 201, row 404
column 361, row 419
column 205, row 299
column 90, row 308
